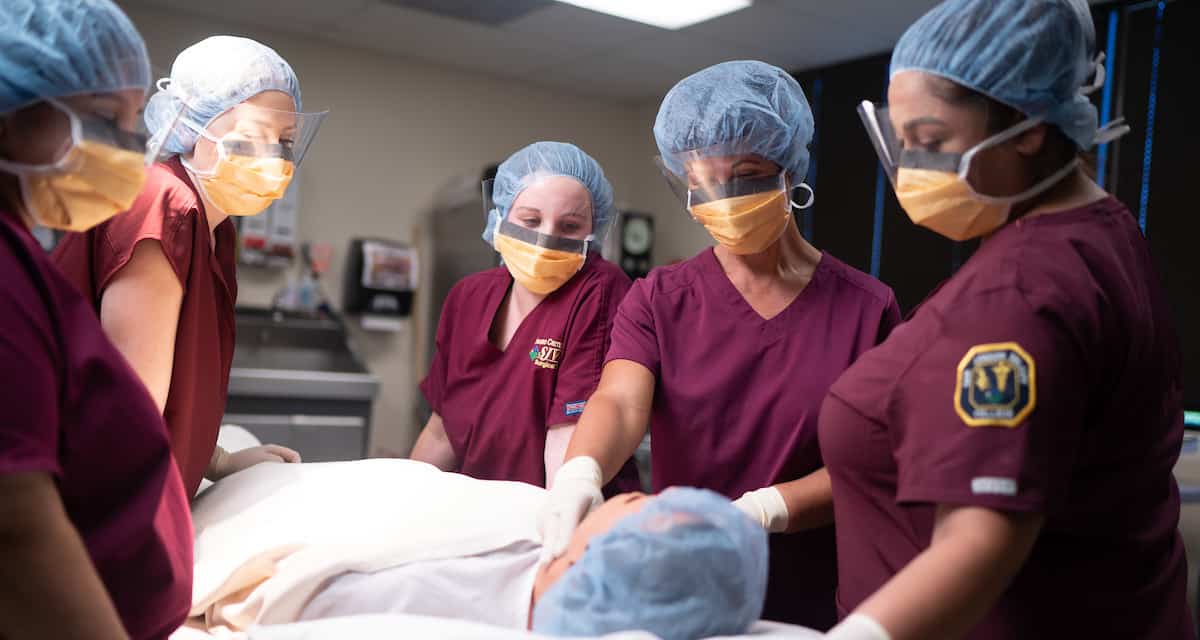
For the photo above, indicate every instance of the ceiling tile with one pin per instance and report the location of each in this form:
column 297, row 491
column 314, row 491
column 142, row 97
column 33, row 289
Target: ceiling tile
column 575, row 27
column 446, row 41
column 603, row 76
column 301, row 15
column 685, row 52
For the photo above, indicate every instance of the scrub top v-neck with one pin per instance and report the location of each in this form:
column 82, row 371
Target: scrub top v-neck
column 497, row 405
column 737, row 396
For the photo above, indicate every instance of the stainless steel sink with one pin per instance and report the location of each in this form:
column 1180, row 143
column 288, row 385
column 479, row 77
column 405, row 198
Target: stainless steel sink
column 290, row 355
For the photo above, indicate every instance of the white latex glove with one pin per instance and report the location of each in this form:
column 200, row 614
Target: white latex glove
column 225, row 463
column 858, row 626
column 766, row 507
column 574, row 492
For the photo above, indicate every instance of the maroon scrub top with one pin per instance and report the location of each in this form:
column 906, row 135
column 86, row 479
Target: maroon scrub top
column 735, row 405
column 74, row 409
column 497, row 405
column 1044, row 377
column 169, row 210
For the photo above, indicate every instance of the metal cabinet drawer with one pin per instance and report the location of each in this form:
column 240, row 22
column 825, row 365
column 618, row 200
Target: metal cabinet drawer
column 318, row 438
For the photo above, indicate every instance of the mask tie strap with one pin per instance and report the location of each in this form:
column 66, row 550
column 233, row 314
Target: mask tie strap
column 811, row 197
column 1111, row 131
column 1099, row 74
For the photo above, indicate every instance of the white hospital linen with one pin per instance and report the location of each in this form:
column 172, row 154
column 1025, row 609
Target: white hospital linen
column 394, row 627
column 495, row 588
column 270, row 538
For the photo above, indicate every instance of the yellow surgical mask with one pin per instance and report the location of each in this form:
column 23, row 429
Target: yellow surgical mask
column 538, row 269
column 245, row 185
column 945, row 203
column 96, row 182
column 746, row 224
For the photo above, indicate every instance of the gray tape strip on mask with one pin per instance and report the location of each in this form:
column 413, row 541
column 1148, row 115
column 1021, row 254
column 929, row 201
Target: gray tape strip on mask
column 918, row 159
column 532, row 237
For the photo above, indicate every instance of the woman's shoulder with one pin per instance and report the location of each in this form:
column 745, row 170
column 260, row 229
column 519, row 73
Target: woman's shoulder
column 677, row 276
column 605, row 276
column 852, row 283
column 478, row 283
column 168, row 184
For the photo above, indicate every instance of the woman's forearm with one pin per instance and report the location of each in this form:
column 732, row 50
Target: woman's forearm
column 947, row 589
column 809, row 501
column 50, row 588
column 433, row 446
column 616, row 417
column 607, row 433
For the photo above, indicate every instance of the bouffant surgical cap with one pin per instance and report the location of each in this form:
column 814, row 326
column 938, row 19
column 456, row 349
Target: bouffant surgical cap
column 545, row 159
column 57, row 48
column 1032, row 55
column 734, row 108
column 688, row 565
column 209, row 78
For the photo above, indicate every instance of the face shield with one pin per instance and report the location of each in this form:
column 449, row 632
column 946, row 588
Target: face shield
column 894, row 158
column 935, row 188
column 251, row 131
column 744, row 214
column 98, row 173
column 500, row 225
column 714, row 178
column 542, row 263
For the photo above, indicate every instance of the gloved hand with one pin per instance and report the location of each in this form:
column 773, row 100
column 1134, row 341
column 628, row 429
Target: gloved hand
column 574, row 492
column 858, row 626
column 224, row 463
column 766, row 507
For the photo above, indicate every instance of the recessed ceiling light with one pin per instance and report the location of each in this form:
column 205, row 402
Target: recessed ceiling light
column 668, row 14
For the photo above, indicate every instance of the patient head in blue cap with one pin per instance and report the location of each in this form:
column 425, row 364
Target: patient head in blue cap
column 682, row 565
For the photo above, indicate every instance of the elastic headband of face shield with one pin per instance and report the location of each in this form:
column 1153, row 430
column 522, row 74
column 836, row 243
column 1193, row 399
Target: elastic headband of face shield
column 299, row 129
column 893, row 157
column 90, row 129
column 692, row 194
column 492, row 213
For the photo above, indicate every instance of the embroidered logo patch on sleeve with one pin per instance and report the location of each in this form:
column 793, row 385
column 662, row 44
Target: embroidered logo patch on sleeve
column 996, row 385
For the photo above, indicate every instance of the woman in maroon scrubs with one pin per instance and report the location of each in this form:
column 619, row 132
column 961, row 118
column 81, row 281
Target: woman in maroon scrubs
column 162, row 275
column 519, row 347
column 97, row 539
column 728, row 355
column 1002, row 464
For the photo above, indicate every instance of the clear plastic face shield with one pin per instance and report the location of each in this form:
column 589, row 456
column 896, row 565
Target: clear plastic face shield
column 532, row 237
column 97, row 172
column 251, row 131
column 708, row 178
column 88, row 129
column 742, row 200
column 893, row 157
column 539, row 262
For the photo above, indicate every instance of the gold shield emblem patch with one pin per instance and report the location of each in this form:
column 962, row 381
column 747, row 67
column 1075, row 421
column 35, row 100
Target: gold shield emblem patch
column 996, row 385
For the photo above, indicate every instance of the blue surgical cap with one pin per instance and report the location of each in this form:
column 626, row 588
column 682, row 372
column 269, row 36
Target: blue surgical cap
column 1032, row 55
column 209, row 78
column 688, row 565
column 543, row 159
column 733, row 108
column 56, row 48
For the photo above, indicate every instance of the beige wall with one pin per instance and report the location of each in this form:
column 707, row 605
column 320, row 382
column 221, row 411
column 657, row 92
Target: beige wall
column 398, row 131
column 677, row 235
